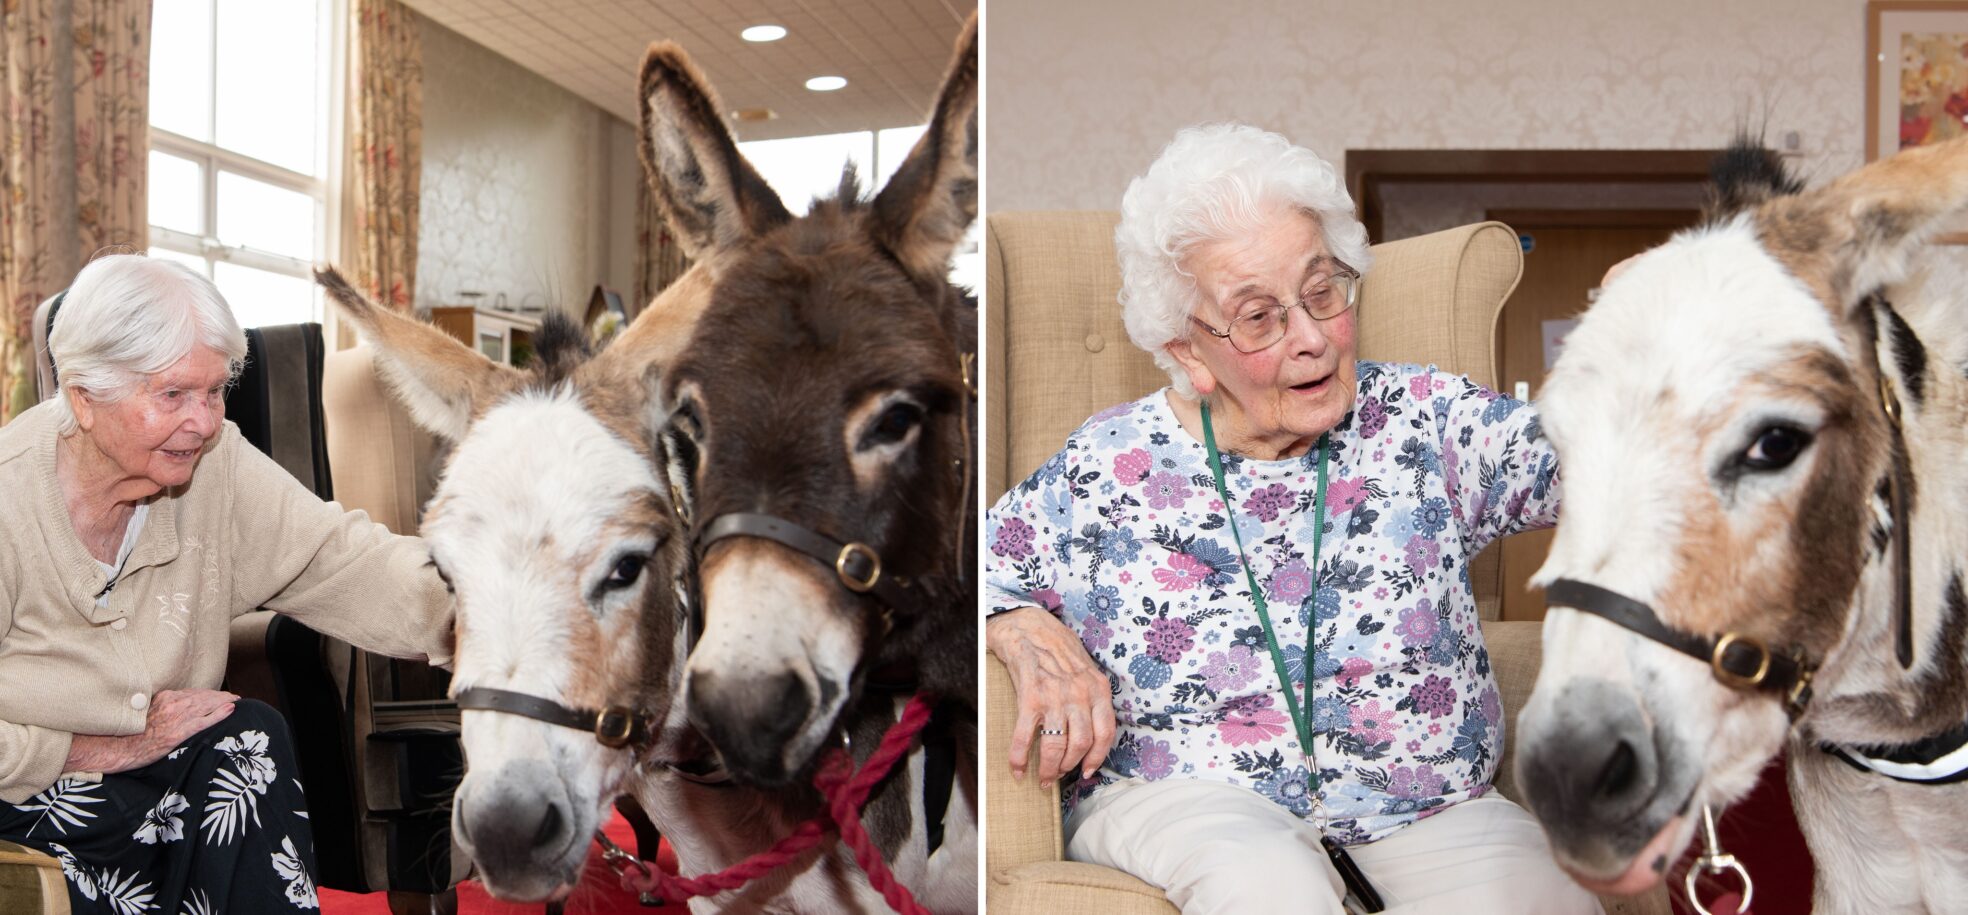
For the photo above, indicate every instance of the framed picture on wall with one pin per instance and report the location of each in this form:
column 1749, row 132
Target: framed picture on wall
column 1916, row 74
column 1916, row 79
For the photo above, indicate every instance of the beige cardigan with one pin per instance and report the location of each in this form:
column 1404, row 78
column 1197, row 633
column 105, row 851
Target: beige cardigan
column 243, row 534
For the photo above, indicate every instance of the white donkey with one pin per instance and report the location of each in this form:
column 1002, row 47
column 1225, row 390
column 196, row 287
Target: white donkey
column 1763, row 426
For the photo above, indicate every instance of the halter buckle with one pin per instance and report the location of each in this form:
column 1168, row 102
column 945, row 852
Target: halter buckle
column 858, row 585
column 1800, row 693
column 1889, row 400
column 1731, row 678
column 614, row 726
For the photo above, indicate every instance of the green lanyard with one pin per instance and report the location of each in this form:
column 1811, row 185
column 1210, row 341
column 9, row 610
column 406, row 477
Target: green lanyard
column 1298, row 716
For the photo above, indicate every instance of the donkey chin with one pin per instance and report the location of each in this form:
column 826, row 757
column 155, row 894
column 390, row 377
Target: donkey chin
column 521, row 815
column 1618, row 770
column 776, row 663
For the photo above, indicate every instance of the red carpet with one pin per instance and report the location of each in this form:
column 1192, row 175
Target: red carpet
column 598, row 893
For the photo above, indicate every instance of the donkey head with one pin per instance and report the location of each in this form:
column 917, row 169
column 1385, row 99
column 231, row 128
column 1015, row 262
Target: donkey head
column 824, row 386
column 554, row 528
column 1718, row 415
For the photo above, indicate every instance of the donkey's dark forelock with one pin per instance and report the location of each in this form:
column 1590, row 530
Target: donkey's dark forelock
column 1745, row 175
column 560, row 347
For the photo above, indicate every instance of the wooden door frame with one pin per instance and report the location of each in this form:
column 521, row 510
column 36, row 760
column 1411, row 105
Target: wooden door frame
column 1368, row 169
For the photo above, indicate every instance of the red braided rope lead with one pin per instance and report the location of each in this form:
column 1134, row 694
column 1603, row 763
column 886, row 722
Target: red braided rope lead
column 845, row 797
column 845, row 790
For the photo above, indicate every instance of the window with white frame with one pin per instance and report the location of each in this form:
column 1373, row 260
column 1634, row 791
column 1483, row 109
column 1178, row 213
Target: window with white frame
column 239, row 148
column 802, row 168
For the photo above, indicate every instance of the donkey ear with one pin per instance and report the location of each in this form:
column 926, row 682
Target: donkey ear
column 711, row 196
column 922, row 213
column 1857, row 233
column 439, row 379
column 658, row 336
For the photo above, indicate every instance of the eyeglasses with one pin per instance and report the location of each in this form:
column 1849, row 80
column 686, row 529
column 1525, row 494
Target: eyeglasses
column 1329, row 298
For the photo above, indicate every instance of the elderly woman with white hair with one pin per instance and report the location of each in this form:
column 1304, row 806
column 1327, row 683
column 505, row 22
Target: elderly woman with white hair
column 137, row 525
column 1260, row 572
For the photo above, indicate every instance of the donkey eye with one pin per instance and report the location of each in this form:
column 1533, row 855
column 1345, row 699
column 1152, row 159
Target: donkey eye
column 1775, row 448
column 627, row 570
column 892, row 425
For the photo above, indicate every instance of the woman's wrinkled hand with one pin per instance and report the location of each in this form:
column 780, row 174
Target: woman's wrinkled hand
column 1059, row 687
column 174, row 716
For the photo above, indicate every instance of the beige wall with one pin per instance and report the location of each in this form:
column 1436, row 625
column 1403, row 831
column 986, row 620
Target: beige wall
column 1081, row 95
column 528, row 189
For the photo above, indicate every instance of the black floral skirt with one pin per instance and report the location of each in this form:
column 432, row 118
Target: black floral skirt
column 218, row 825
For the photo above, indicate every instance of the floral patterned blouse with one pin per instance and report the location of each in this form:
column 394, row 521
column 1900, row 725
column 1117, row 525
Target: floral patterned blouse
column 1123, row 536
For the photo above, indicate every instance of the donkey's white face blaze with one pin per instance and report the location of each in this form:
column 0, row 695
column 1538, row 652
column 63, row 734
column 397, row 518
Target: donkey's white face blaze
column 537, row 508
column 1651, row 424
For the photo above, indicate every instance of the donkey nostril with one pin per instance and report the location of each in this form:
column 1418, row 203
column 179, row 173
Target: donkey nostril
column 549, row 826
column 1617, row 775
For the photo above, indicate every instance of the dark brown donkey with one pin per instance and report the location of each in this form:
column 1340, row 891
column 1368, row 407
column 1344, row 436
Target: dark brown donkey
column 821, row 426
column 826, row 387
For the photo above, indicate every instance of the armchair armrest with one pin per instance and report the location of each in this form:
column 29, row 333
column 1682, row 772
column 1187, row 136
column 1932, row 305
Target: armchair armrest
column 1023, row 816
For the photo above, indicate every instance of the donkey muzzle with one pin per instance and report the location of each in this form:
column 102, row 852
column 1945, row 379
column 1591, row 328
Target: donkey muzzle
column 755, row 722
column 1592, row 771
column 518, row 825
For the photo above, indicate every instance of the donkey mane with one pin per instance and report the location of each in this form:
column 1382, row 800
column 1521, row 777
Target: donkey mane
column 1744, row 176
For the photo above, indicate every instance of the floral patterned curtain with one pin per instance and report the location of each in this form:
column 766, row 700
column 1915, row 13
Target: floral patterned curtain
column 386, row 142
column 74, row 91
column 659, row 261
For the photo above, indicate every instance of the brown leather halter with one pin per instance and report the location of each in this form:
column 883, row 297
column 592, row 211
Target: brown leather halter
column 1739, row 661
column 1742, row 662
column 615, row 727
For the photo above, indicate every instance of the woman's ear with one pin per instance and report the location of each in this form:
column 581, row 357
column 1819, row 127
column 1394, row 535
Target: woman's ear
column 1200, row 376
column 83, row 408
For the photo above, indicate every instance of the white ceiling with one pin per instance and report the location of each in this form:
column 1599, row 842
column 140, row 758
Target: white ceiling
column 892, row 52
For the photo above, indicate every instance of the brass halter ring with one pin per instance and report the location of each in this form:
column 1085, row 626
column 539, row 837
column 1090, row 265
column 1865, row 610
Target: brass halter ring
column 614, row 726
column 858, row 585
column 1730, row 677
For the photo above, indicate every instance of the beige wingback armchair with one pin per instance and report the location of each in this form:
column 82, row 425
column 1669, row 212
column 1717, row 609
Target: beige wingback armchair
column 1058, row 354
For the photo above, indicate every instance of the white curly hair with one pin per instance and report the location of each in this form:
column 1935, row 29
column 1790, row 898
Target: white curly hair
column 1214, row 182
column 127, row 316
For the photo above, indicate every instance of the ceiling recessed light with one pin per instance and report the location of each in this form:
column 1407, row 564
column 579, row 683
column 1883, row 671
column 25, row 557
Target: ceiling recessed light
column 763, row 33
column 825, row 83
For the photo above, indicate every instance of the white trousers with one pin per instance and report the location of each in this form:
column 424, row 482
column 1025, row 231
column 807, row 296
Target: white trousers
column 1215, row 847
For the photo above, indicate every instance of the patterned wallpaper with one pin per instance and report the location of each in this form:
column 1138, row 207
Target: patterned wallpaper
column 525, row 184
column 1082, row 95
